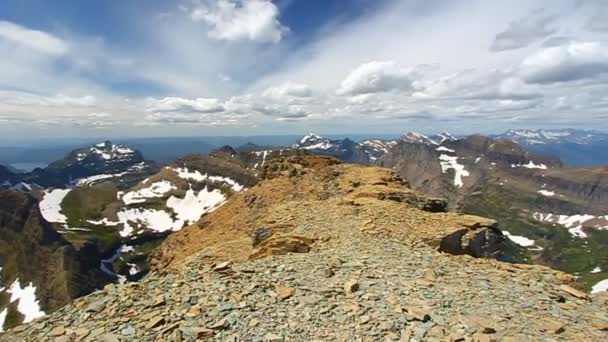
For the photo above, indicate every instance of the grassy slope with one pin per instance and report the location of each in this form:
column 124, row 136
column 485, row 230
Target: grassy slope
column 560, row 249
column 89, row 203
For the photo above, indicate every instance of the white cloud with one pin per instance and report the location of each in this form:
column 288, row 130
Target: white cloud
column 288, row 89
column 183, row 105
column 24, row 99
column 255, row 20
column 572, row 62
column 523, row 32
column 376, row 77
column 33, row 39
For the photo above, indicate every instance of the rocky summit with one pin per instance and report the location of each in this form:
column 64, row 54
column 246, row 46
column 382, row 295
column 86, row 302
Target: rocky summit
column 320, row 251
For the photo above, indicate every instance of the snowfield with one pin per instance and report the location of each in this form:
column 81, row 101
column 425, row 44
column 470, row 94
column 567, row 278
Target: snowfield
column 155, row 190
column 574, row 223
column 520, row 240
column 451, row 162
column 531, row 165
column 156, row 220
column 50, row 206
column 28, row 305
column 600, row 287
column 190, row 208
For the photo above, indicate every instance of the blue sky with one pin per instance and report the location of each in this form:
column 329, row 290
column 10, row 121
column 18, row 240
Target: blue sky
column 246, row 67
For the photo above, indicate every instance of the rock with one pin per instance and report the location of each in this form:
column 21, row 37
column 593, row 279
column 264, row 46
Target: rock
column 284, row 292
column 603, row 326
column 57, row 331
column 552, row 326
column 201, row 332
column 82, row 332
column 574, row 292
column 419, row 313
column 328, row 273
column 128, row 330
column 108, row 338
column 158, row 301
column 155, row 322
column 222, row 324
column 270, row 337
column 481, row 324
column 350, row 287
column 222, row 266
column 96, row 307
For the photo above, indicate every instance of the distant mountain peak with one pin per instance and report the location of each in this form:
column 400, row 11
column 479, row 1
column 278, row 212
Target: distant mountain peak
column 415, row 137
column 525, row 136
column 313, row 141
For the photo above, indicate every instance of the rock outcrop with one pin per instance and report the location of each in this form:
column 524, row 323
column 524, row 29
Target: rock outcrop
column 32, row 252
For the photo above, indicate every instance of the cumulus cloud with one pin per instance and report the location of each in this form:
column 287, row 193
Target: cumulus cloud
column 254, row 20
column 523, row 32
column 376, row 77
column 288, row 89
column 183, row 105
column 572, row 62
column 33, row 39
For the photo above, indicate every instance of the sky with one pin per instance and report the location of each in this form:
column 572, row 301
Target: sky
column 137, row 68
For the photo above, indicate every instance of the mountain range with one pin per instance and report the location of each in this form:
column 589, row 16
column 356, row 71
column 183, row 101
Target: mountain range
column 106, row 214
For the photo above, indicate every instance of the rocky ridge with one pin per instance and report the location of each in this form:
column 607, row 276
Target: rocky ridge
column 326, row 251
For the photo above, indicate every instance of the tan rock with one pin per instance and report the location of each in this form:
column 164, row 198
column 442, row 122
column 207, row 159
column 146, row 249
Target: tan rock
column 351, row 286
column 603, row 326
column 284, row 292
column 419, row 313
column 57, row 331
column 574, row 292
column 155, row 322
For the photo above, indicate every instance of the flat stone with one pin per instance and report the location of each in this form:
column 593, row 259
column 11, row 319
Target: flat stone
column 57, row 331
column 419, row 313
column 284, row 292
column 574, row 292
column 155, row 322
column 222, row 266
column 108, row 338
column 96, row 307
column 603, row 326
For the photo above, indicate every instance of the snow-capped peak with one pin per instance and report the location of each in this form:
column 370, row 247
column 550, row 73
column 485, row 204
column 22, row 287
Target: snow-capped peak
column 310, row 136
column 313, row 141
column 416, row 137
column 443, row 137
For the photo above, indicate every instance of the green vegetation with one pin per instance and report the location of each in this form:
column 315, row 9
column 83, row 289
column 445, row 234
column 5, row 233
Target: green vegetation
column 87, row 203
column 90, row 203
column 561, row 250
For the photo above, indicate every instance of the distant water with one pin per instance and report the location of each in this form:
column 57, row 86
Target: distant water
column 27, row 167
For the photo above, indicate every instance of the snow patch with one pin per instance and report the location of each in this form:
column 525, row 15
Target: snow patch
column 530, row 165
column 156, row 190
column 444, row 149
column 156, row 220
column 520, row 240
column 50, row 206
column 574, row 223
column 546, row 193
column 451, row 162
column 600, row 287
column 596, row 270
column 28, row 305
column 190, row 208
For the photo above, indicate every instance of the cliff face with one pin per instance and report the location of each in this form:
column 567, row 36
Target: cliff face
column 33, row 252
column 320, row 250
